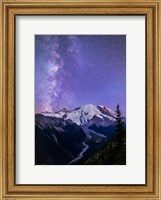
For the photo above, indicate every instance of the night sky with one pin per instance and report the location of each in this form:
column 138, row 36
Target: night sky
column 74, row 70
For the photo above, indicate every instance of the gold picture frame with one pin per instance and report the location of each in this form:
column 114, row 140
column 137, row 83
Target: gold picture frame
column 11, row 8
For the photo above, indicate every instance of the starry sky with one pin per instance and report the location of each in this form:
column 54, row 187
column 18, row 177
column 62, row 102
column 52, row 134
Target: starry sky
column 74, row 70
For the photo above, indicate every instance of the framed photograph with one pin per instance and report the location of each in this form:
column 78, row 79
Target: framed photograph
column 73, row 125
column 80, row 99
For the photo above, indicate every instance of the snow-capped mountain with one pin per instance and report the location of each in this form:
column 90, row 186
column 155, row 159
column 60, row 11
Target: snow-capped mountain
column 67, row 137
column 86, row 115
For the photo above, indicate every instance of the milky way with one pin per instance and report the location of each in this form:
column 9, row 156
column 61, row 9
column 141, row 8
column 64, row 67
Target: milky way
column 74, row 70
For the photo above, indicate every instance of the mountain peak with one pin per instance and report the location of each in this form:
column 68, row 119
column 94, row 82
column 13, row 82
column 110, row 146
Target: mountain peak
column 83, row 115
column 86, row 113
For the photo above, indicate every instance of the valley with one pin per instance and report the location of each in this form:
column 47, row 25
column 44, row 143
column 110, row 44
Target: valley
column 72, row 137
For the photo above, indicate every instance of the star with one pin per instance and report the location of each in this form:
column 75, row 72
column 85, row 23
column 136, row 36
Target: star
column 73, row 70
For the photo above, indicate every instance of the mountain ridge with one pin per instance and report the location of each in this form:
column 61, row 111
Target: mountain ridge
column 82, row 115
column 67, row 137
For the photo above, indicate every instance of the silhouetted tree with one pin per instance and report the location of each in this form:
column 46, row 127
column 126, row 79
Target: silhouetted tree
column 119, row 124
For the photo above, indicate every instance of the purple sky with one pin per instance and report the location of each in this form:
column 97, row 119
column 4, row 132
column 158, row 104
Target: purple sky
column 74, row 70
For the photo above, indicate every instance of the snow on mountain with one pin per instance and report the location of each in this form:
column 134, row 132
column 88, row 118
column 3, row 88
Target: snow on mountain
column 106, row 110
column 61, row 114
column 87, row 114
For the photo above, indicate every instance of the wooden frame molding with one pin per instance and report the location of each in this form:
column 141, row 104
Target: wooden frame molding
column 8, row 11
